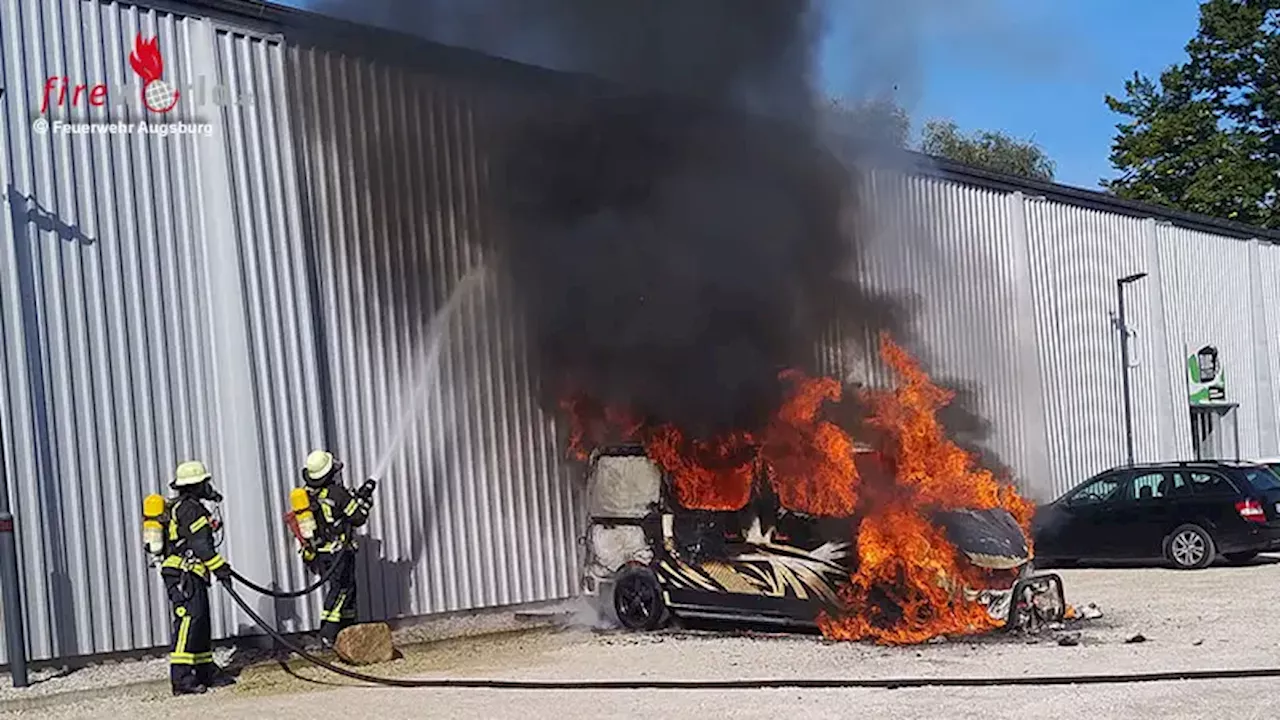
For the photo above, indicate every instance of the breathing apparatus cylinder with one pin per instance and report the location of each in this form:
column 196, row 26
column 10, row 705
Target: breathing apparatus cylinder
column 153, row 510
column 300, row 501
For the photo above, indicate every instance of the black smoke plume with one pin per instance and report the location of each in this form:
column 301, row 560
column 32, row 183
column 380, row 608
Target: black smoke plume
column 677, row 242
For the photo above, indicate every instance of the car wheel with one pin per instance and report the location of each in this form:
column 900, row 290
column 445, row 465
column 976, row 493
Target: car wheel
column 1240, row 558
column 1190, row 547
column 637, row 600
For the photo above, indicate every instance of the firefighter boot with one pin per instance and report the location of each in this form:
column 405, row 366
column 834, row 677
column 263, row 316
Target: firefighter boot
column 184, row 681
column 215, row 677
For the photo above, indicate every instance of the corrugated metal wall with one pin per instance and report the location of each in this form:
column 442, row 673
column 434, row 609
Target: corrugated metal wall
column 193, row 297
column 1078, row 255
column 106, row 346
column 957, row 256
column 267, row 218
column 1266, row 307
column 310, row 275
column 428, row 393
column 1014, row 303
column 1208, row 299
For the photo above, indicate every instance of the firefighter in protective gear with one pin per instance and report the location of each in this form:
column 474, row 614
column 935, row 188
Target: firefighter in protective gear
column 191, row 558
column 338, row 513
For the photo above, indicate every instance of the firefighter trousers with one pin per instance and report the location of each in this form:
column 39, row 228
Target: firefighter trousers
column 191, row 648
column 340, row 596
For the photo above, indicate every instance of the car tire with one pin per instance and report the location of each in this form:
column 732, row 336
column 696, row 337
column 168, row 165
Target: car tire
column 637, row 600
column 1190, row 547
column 1240, row 558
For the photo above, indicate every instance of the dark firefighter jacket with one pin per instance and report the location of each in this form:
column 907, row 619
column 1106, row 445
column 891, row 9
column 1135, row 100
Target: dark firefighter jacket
column 340, row 511
column 190, row 541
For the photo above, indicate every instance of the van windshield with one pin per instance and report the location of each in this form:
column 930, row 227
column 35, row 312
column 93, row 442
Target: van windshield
column 1262, row 479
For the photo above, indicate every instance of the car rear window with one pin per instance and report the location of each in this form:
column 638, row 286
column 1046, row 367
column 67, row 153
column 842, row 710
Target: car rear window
column 1262, row 479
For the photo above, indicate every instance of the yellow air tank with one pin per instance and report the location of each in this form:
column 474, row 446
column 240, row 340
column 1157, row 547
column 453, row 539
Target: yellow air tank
column 300, row 501
column 153, row 508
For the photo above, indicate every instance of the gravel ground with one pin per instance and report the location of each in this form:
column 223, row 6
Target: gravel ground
column 1212, row 619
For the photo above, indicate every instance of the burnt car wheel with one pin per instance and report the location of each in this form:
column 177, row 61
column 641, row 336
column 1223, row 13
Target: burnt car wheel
column 637, row 599
column 1190, row 547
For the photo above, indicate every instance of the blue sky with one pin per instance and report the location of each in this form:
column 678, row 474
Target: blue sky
column 1035, row 69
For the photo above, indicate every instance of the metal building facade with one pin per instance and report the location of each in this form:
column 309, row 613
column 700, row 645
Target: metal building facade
column 1013, row 297
column 310, row 274
column 210, row 297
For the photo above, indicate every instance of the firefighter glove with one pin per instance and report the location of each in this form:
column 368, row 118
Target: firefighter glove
column 223, row 573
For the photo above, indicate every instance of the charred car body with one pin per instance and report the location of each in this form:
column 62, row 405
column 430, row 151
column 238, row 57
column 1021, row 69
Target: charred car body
column 647, row 558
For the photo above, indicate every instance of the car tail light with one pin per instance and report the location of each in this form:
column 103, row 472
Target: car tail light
column 1251, row 510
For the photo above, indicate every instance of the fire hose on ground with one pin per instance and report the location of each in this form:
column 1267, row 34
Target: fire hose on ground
column 750, row 684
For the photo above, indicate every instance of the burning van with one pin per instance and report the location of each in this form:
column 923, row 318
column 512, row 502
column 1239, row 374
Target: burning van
column 648, row 558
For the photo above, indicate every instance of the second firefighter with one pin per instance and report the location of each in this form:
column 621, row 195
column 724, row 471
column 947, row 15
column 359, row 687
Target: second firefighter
column 338, row 512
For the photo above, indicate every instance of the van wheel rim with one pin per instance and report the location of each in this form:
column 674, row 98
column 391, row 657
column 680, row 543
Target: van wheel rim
column 1188, row 548
column 636, row 600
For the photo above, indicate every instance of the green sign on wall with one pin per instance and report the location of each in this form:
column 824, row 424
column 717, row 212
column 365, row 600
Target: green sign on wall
column 1206, row 381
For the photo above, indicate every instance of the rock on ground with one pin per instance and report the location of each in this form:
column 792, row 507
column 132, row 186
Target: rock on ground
column 365, row 644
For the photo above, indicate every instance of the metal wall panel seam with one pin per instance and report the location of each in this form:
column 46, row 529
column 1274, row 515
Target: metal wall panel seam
column 382, row 338
column 1036, row 453
column 248, row 205
column 1158, row 350
column 1269, row 261
column 86, row 540
column 18, row 420
column 42, row 639
column 394, row 87
column 301, row 339
column 287, row 388
column 318, row 217
column 239, row 452
column 69, row 616
column 277, row 398
column 66, row 297
column 1047, row 311
column 1175, row 340
column 1265, row 426
column 355, row 369
column 301, row 611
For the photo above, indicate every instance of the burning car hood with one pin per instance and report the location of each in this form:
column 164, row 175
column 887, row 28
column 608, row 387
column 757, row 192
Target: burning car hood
column 988, row 538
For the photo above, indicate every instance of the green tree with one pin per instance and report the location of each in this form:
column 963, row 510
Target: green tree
column 1204, row 138
column 993, row 151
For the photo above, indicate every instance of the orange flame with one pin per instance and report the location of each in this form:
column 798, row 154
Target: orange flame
column 936, row 471
column 909, row 582
column 706, row 475
column 908, row 586
column 810, row 460
column 146, row 59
